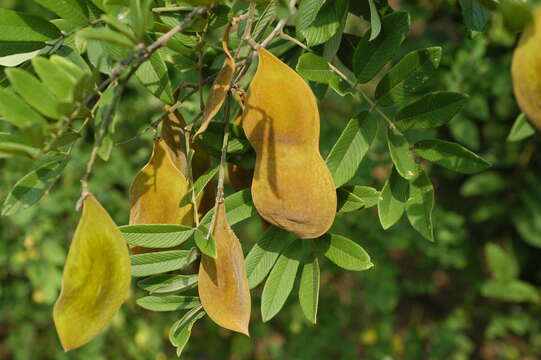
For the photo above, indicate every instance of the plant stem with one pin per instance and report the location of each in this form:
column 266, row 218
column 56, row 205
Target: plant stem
column 171, row 9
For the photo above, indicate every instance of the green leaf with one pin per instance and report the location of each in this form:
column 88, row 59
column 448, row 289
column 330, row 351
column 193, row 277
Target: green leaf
column 199, row 185
column 331, row 47
column 267, row 17
column 74, row 11
column 392, row 203
column 326, row 24
column 514, row 291
column 22, row 27
column 17, row 111
column 280, row 281
column 155, row 78
column 107, row 35
column 264, row 253
column 315, row 68
column 31, row 188
column 206, row 243
column 307, row 13
column 168, row 283
column 309, row 288
column 156, row 236
column 502, row 265
column 430, row 111
column 420, row 205
column 521, row 129
column 141, row 16
column 13, row 145
column 465, row 131
column 160, row 262
column 474, row 14
column 408, row 76
column 351, row 198
column 34, row 92
column 181, row 330
column 451, row 156
column 238, row 206
column 399, row 149
column 58, row 81
column 351, row 147
column 344, row 252
column 375, row 21
column 168, row 302
column 119, row 26
column 8, row 49
column 489, row 182
column 371, row 56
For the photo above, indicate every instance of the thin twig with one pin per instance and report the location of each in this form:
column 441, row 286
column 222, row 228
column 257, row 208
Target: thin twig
column 97, row 143
column 187, row 136
column 172, row 9
column 368, row 99
column 221, row 172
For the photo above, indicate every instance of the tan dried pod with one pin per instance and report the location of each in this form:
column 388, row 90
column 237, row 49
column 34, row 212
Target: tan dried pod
column 222, row 283
column 292, row 186
column 173, row 134
column 157, row 189
column 96, row 278
column 526, row 70
column 220, row 87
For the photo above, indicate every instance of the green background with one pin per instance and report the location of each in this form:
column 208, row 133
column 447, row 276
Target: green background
column 421, row 300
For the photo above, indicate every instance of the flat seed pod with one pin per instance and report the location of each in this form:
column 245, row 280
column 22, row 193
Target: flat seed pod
column 292, row 187
column 220, row 87
column 173, row 134
column 526, row 70
column 96, row 278
column 156, row 191
column 223, row 284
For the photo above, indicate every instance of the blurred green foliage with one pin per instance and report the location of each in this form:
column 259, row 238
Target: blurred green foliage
column 422, row 300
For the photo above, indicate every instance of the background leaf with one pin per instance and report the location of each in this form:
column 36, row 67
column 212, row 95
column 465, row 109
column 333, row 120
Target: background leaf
column 420, row 205
column 351, row 147
column 344, row 252
column 351, row 198
column 392, row 201
column 451, row 156
column 521, row 129
column 74, row 11
column 159, row 262
column 430, row 111
column 30, row 189
column 309, row 288
column 370, row 56
column 156, row 236
column 168, row 302
column 280, row 281
column 168, row 283
column 399, row 149
column 17, row 26
column 264, row 253
column 408, row 76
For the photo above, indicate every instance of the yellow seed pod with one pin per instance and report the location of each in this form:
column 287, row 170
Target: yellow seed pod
column 157, row 189
column 96, row 278
column 223, row 284
column 526, row 70
column 292, row 187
